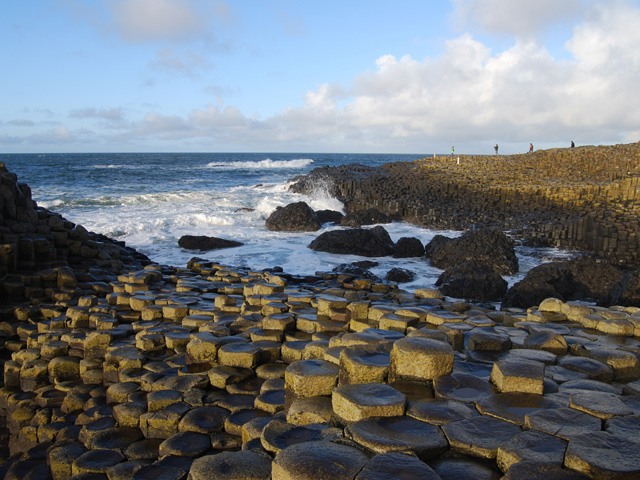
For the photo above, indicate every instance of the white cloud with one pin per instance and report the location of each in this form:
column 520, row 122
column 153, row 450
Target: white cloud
column 110, row 114
column 520, row 18
column 468, row 94
column 153, row 20
column 189, row 64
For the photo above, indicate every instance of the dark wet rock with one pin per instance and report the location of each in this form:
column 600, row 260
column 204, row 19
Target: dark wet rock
column 125, row 470
column 329, row 216
column 231, row 466
column 185, row 444
column 599, row 404
column 624, row 427
column 359, row 218
column 513, row 407
column 461, row 387
column 373, row 242
column 204, row 243
column 356, row 270
column 477, row 282
column 479, row 436
column 562, row 422
column 400, row 275
column 459, row 468
column 532, row 446
column 408, row 247
column 532, row 470
column 117, row 438
column 396, row 466
column 314, row 460
column 529, row 291
column 439, row 412
column 603, row 455
column 96, row 461
column 278, row 435
column 487, row 247
column 158, row 471
column 583, row 278
column 398, row 434
column 546, row 341
column 295, row 217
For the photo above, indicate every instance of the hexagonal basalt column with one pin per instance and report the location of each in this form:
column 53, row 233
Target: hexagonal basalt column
column 420, row 359
column 355, row 402
column 309, row 378
column 518, row 376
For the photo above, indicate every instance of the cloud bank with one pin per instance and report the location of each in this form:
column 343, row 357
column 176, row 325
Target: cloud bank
column 468, row 95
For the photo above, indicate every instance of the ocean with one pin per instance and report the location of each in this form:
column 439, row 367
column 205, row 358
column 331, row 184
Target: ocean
column 150, row 200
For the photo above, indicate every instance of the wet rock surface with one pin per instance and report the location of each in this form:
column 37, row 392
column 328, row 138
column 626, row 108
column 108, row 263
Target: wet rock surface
column 211, row 371
column 295, row 217
column 204, row 243
column 367, row 242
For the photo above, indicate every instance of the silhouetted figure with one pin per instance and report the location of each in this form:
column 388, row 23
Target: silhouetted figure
column 572, row 144
column 453, row 149
column 531, row 148
column 496, row 148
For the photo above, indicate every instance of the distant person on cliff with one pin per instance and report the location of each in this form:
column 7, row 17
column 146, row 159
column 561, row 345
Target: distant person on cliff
column 453, row 149
column 496, row 148
column 531, row 148
column 572, row 144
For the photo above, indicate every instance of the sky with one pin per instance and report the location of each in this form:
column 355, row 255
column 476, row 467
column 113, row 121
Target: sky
column 410, row 76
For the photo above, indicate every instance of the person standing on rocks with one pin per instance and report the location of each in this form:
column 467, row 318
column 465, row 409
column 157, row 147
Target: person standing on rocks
column 572, row 144
column 496, row 148
column 531, row 148
column 453, row 149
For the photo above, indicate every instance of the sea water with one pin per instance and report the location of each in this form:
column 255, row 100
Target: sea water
column 151, row 200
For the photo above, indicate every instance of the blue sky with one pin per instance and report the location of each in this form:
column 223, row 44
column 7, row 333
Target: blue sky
column 332, row 76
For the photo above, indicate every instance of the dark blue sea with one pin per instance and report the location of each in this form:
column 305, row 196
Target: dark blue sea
column 150, row 200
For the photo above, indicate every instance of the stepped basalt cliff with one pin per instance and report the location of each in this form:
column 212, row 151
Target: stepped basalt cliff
column 586, row 197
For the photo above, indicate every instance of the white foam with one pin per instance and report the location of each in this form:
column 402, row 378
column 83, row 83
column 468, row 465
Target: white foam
column 262, row 164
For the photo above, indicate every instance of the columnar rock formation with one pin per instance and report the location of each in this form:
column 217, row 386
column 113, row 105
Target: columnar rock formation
column 44, row 257
column 114, row 368
column 585, row 197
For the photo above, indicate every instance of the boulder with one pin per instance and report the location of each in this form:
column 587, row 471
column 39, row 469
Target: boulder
column 295, row 217
column 370, row 216
column 477, row 282
column 374, row 242
column 408, row 247
column 356, row 270
column 488, row 247
column 582, row 278
column 400, row 275
column 329, row 216
column 204, row 243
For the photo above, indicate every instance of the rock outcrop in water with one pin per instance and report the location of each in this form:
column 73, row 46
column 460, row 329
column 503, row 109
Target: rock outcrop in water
column 205, row 243
column 584, row 197
column 295, row 217
column 484, row 247
column 367, row 242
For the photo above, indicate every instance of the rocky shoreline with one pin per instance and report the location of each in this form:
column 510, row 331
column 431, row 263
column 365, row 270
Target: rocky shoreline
column 118, row 368
column 585, row 197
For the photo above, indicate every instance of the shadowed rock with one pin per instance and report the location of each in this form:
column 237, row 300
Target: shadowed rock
column 374, row 242
column 370, row 216
column 487, row 247
column 477, row 282
column 295, row 217
column 204, row 243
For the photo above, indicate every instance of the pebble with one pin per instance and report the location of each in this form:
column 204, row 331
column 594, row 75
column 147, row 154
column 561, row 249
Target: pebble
column 241, row 374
